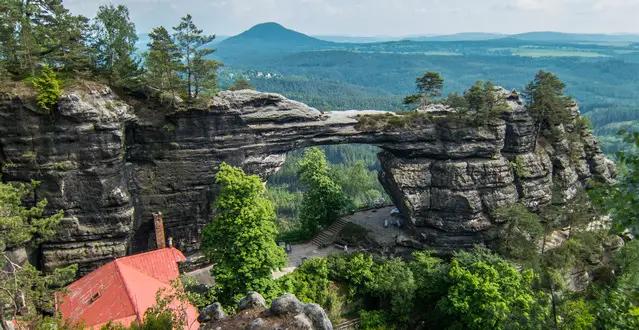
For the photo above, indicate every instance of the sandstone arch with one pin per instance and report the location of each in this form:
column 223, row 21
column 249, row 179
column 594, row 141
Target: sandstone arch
column 110, row 169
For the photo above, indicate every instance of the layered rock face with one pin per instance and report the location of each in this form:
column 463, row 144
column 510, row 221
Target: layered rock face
column 109, row 168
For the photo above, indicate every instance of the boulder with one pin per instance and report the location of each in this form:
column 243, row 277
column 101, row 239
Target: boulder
column 212, row 312
column 287, row 304
column 252, row 300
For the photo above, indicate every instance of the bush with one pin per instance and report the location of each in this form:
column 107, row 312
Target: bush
column 374, row 320
column 48, row 87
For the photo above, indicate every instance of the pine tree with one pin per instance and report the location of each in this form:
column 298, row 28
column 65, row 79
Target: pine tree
column 36, row 31
column 546, row 101
column 429, row 86
column 48, row 87
column 162, row 61
column 113, row 40
column 190, row 41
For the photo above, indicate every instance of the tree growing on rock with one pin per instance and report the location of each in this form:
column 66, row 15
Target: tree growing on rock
column 113, row 40
column 196, row 68
column 324, row 200
column 240, row 240
column 162, row 61
column 429, row 86
column 546, row 101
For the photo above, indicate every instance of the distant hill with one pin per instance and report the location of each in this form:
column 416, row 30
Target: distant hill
column 465, row 36
column 358, row 40
column 267, row 39
column 575, row 37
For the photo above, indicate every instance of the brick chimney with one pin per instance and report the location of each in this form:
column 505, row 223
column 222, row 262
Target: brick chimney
column 158, row 222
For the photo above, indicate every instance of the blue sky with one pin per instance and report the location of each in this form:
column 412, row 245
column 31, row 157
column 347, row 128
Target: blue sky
column 384, row 17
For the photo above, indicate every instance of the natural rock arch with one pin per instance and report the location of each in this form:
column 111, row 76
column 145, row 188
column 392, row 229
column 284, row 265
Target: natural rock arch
column 110, row 169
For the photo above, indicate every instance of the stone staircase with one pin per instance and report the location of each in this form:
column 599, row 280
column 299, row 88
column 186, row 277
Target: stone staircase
column 329, row 234
column 347, row 324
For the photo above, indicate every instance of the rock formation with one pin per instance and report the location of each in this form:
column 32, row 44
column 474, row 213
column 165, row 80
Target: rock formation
column 109, row 166
column 286, row 312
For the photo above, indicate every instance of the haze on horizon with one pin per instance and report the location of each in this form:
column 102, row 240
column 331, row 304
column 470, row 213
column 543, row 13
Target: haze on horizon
column 384, row 17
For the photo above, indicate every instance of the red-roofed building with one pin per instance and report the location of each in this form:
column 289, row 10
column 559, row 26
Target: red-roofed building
column 122, row 290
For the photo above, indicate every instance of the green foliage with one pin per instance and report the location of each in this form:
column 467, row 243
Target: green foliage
column 546, row 101
column 575, row 314
column 113, row 41
column 240, row 240
column 200, row 72
column 162, row 62
column 482, row 100
column 489, row 293
column 48, row 87
column 324, row 200
column 374, row 320
column 393, row 283
column 29, row 292
column 429, row 86
column 309, row 282
column 520, row 235
column 520, row 167
column 20, row 225
column 620, row 199
column 240, row 84
column 355, row 269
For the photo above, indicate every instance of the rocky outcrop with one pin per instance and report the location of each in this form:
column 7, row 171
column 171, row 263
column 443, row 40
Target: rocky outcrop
column 109, row 166
column 286, row 312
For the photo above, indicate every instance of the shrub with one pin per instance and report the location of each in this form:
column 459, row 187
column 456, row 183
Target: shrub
column 374, row 320
column 48, row 87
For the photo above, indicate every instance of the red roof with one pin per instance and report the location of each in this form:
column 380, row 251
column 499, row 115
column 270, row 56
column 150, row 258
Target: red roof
column 122, row 290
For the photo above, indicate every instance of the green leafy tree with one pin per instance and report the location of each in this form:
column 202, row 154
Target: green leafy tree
column 24, row 290
column 486, row 292
column 620, row 199
column 393, row 283
column 375, row 320
column 575, row 314
column 520, row 235
column 309, row 283
column 240, row 240
column 240, row 84
column 324, row 200
column 48, row 87
column 429, row 86
column 113, row 39
column 162, row 61
column 197, row 69
column 546, row 101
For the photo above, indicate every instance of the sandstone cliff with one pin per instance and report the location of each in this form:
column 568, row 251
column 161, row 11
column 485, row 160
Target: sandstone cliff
column 109, row 167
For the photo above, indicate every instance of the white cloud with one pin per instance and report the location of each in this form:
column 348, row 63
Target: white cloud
column 384, row 17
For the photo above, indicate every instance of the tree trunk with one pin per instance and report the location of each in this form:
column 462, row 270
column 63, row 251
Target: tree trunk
column 537, row 136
